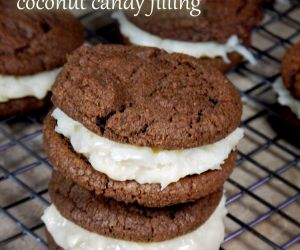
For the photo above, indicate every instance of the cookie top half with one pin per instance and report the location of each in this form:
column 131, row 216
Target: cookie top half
column 147, row 97
column 290, row 70
column 218, row 21
column 32, row 41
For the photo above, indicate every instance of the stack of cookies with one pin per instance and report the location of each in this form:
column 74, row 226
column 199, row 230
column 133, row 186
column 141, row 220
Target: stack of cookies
column 142, row 142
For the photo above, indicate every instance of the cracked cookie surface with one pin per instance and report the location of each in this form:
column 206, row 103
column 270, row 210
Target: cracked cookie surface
column 147, row 97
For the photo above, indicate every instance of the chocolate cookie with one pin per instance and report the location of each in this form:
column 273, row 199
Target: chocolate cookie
column 76, row 167
column 217, row 22
column 34, row 41
column 131, row 222
column 23, row 105
column 290, row 70
column 170, row 101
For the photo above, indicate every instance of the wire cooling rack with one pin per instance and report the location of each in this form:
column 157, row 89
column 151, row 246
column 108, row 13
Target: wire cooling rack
column 263, row 192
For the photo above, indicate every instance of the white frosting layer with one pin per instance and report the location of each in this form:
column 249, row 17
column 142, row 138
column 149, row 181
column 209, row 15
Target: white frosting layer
column 37, row 85
column 69, row 236
column 285, row 98
column 123, row 162
column 196, row 49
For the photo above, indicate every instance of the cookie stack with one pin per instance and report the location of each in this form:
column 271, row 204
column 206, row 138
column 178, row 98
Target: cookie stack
column 142, row 142
column 33, row 47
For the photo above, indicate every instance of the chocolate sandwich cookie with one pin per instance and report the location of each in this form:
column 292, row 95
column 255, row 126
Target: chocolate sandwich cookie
column 127, row 221
column 140, row 150
column 168, row 101
column 290, row 70
column 33, row 45
column 218, row 22
column 286, row 122
column 287, row 86
column 75, row 166
column 162, row 102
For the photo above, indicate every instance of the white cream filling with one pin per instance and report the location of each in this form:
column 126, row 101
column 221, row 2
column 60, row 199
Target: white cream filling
column 123, row 162
column 285, row 98
column 196, row 49
column 69, row 236
column 37, row 85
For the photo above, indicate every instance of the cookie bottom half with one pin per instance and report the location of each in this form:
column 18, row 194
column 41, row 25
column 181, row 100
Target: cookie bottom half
column 130, row 222
column 80, row 220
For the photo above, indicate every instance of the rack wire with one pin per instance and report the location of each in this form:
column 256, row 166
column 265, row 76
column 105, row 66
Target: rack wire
column 262, row 194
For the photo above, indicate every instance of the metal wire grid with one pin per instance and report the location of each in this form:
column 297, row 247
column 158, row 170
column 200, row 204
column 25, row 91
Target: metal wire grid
column 263, row 196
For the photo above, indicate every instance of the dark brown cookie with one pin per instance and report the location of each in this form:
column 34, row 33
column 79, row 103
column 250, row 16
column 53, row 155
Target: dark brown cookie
column 290, row 70
column 218, row 21
column 34, row 41
column 23, row 105
column 76, row 167
column 170, row 101
column 131, row 222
